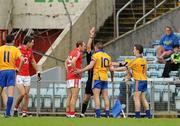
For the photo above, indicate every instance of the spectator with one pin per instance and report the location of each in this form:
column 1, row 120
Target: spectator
column 174, row 63
column 166, row 44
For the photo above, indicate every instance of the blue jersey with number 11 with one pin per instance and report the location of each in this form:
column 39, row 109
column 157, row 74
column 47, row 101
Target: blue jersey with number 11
column 8, row 57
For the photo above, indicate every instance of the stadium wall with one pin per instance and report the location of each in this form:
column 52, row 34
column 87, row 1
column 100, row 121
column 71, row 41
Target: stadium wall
column 94, row 15
column 144, row 35
column 39, row 14
column 5, row 9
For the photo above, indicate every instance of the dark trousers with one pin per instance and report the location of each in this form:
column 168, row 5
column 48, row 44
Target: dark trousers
column 170, row 66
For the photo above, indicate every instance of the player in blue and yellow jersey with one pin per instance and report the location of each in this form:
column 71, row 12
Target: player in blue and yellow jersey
column 8, row 56
column 101, row 62
column 139, row 73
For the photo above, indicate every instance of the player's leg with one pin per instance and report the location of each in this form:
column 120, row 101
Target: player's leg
column 68, row 98
column 1, row 88
column 144, row 100
column 75, row 86
column 10, row 90
column 96, row 93
column 137, row 102
column 106, row 101
column 4, row 96
column 26, row 101
column 21, row 90
column 87, row 96
column 85, row 104
column 146, row 105
column 75, row 92
column 106, row 98
column 11, row 77
column 2, row 83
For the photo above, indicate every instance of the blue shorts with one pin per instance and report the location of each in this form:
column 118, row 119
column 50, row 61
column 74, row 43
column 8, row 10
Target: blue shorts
column 142, row 85
column 7, row 78
column 100, row 84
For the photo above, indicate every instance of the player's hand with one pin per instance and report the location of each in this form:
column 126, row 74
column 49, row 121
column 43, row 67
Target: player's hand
column 77, row 71
column 39, row 76
column 17, row 71
column 92, row 32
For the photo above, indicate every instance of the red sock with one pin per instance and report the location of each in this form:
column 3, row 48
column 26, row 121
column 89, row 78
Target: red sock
column 16, row 107
column 24, row 110
column 72, row 113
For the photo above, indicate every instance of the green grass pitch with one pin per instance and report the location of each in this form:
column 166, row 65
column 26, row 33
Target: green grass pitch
column 62, row 121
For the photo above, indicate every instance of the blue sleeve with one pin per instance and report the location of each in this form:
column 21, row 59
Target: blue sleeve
column 176, row 40
column 162, row 39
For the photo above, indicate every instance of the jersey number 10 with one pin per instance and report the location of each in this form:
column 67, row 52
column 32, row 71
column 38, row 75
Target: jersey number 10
column 104, row 62
column 6, row 56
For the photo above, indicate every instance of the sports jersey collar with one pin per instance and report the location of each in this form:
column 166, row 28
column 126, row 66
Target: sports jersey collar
column 100, row 50
column 139, row 56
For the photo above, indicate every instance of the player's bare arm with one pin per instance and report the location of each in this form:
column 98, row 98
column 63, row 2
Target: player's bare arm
column 65, row 64
column 91, row 37
column 34, row 64
column 73, row 63
column 111, row 68
column 88, row 67
column 21, row 63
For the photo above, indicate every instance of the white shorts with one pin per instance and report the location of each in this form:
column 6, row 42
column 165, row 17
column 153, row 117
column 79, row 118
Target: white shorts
column 74, row 83
column 23, row 80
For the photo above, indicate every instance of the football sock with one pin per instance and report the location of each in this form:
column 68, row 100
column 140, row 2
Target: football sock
column 148, row 114
column 84, row 107
column 137, row 115
column 98, row 113
column 9, row 105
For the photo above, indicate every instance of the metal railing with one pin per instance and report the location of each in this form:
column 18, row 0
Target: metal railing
column 147, row 14
column 162, row 95
column 117, row 16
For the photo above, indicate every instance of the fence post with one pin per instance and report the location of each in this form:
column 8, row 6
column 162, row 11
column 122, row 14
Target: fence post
column 53, row 99
column 152, row 98
column 113, row 89
column 38, row 99
column 168, row 98
column 144, row 11
column 127, row 99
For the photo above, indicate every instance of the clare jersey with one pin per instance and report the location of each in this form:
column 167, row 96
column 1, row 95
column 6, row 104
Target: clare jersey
column 139, row 68
column 28, row 56
column 100, row 70
column 8, row 57
column 74, row 53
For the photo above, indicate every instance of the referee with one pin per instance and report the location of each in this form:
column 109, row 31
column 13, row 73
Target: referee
column 88, row 88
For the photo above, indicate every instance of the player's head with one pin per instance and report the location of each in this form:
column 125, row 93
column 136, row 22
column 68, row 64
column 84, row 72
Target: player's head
column 9, row 38
column 98, row 46
column 168, row 30
column 28, row 41
column 81, row 45
column 138, row 49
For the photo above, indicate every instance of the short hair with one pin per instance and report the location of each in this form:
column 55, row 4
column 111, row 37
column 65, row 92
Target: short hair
column 9, row 38
column 99, row 45
column 79, row 43
column 139, row 48
column 27, row 39
column 168, row 27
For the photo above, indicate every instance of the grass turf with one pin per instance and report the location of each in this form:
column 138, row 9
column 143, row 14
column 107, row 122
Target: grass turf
column 62, row 121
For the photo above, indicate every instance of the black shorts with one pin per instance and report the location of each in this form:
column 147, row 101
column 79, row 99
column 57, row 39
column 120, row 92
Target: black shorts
column 88, row 88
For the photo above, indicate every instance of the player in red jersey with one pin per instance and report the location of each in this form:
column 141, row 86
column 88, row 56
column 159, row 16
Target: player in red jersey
column 72, row 63
column 23, row 77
